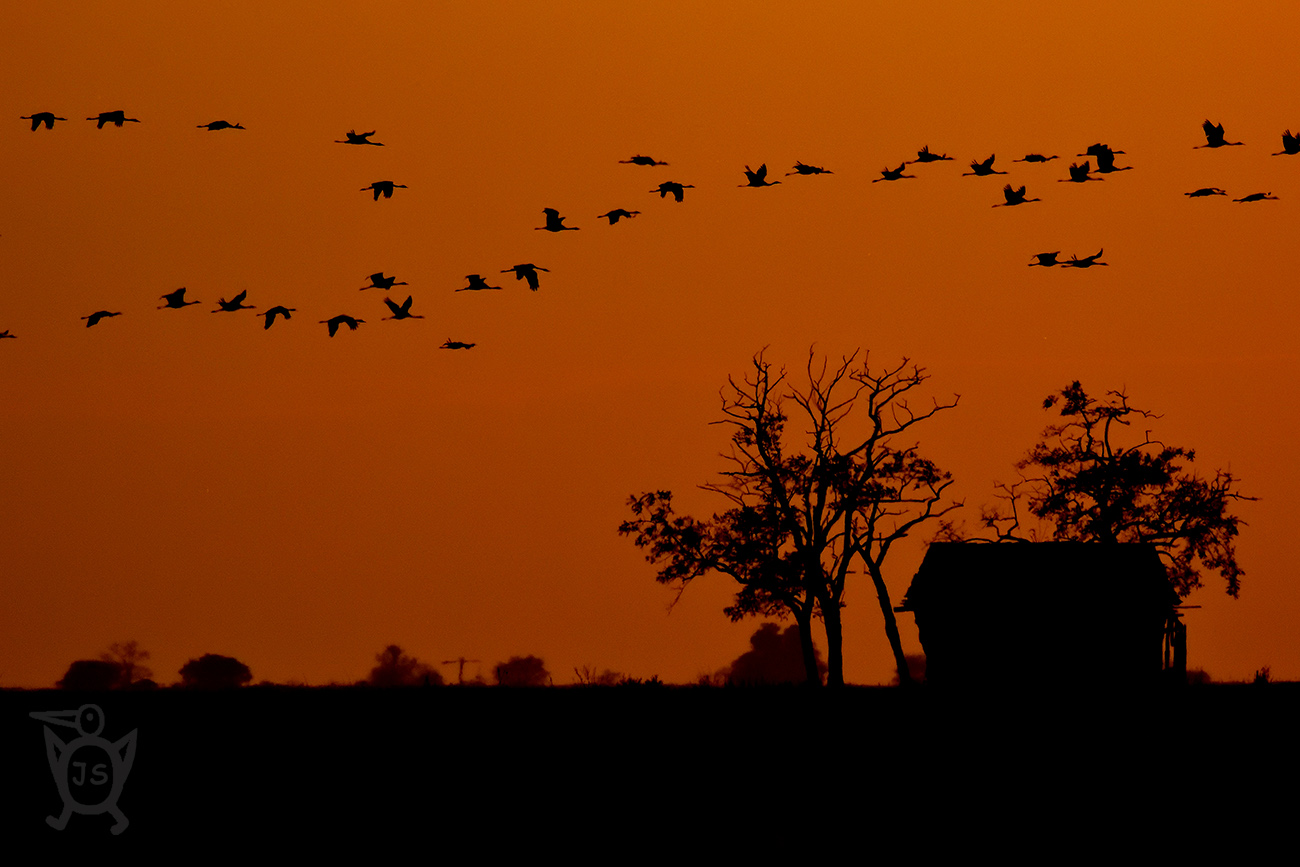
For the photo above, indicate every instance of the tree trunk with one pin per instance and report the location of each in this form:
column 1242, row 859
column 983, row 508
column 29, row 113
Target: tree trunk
column 891, row 625
column 834, row 642
column 803, row 618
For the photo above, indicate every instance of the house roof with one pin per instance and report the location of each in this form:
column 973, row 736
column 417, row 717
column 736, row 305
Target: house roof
column 1038, row 575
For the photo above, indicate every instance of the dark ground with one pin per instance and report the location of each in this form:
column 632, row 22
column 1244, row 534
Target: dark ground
column 626, row 770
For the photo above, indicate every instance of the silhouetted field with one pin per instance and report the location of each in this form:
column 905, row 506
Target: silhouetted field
column 531, row 770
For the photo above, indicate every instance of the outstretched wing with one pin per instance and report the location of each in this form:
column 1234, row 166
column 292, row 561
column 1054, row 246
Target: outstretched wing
column 54, row 748
column 125, row 748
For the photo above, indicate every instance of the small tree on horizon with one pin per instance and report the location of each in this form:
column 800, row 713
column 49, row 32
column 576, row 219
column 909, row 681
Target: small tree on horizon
column 128, row 657
column 395, row 668
column 774, row 657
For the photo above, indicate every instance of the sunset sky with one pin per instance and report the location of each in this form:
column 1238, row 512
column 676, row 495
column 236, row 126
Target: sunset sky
column 199, row 484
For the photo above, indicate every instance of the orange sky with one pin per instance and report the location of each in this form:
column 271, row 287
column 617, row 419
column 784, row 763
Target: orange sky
column 198, row 484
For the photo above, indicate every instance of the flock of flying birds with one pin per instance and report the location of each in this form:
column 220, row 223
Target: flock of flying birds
column 1078, row 173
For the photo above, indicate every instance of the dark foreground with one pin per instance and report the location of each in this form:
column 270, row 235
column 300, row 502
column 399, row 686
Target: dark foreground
column 631, row 771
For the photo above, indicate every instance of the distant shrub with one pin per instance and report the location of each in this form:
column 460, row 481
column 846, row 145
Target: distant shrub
column 395, row 668
column 91, row 674
column 522, row 671
column 213, row 671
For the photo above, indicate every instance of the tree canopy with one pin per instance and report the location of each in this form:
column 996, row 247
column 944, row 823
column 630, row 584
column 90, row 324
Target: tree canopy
column 1089, row 486
column 806, row 504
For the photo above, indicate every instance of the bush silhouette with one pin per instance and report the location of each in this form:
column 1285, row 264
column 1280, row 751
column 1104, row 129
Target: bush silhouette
column 522, row 671
column 395, row 668
column 91, row 674
column 212, row 671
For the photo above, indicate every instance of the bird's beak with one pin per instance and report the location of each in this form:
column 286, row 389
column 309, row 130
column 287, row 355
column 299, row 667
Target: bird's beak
column 66, row 718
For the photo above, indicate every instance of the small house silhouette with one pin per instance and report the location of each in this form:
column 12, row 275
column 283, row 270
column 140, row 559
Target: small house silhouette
column 1045, row 614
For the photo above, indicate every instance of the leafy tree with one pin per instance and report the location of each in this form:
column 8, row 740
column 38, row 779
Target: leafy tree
column 803, row 509
column 395, row 668
column 212, row 671
column 522, row 671
column 773, row 657
column 1091, row 487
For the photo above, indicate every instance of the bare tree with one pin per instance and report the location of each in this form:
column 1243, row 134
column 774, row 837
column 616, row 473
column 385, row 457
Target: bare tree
column 804, row 509
column 129, row 659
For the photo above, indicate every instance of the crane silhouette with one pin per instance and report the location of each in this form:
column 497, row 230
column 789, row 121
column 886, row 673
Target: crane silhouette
column 1290, row 143
column 176, row 299
column 402, row 311
column 456, row 344
column 1014, row 197
column 554, row 222
column 43, row 117
column 1106, row 162
column 350, row 321
column 116, row 118
column 617, row 214
column 476, row 283
column 924, row 155
column 673, row 187
column 888, row 174
column 1086, row 262
column 1047, row 260
column 1206, row 191
column 277, row 311
column 1080, row 173
column 379, row 281
column 236, row 303
column 984, row 168
column 527, row 272
column 1257, row 197
column 1036, row 158
column 640, row 160
column 219, row 124
column 758, row 178
column 1097, row 149
column 1214, row 137
column 384, row 187
column 801, row 169
column 359, row 138
column 93, row 319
